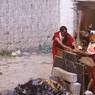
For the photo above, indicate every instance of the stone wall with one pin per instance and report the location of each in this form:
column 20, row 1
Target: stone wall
column 67, row 15
column 27, row 23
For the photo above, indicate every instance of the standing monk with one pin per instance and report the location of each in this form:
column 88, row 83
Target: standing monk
column 62, row 40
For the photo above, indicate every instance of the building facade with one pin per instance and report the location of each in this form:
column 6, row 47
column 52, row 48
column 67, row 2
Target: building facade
column 30, row 23
column 27, row 23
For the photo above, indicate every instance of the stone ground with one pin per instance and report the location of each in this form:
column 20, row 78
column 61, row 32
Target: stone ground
column 18, row 70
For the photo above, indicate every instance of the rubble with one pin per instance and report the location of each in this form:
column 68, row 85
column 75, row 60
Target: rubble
column 40, row 87
column 16, row 53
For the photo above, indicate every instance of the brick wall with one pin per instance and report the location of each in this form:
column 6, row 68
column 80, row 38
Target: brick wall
column 27, row 23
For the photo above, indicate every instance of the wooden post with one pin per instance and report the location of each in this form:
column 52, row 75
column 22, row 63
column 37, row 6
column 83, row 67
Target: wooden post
column 78, row 27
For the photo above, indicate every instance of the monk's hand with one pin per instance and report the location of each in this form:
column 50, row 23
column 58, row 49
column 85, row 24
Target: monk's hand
column 69, row 49
column 76, row 50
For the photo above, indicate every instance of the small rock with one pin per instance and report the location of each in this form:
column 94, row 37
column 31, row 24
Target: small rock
column 88, row 93
column 1, row 73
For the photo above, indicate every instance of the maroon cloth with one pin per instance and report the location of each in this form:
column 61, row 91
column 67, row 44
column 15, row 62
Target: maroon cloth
column 91, row 72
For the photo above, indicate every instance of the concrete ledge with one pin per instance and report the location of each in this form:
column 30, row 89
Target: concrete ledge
column 70, row 77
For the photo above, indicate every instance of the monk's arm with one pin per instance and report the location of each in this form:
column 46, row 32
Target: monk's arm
column 64, row 46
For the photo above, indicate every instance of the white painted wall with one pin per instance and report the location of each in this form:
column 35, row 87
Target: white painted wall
column 85, row 0
column 67, row 15
column 26, row 24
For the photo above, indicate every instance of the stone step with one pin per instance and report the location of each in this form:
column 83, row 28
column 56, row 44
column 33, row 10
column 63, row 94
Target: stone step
column 67, row 76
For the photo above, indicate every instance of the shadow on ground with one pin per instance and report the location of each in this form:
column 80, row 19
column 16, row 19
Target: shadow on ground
column 7, row 92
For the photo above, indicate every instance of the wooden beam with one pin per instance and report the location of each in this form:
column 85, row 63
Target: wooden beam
column 78, row 27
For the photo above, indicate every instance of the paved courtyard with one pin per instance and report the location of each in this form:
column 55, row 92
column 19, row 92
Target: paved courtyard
column 17, row 70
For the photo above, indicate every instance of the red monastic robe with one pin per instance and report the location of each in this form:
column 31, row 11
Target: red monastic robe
column 55, row 43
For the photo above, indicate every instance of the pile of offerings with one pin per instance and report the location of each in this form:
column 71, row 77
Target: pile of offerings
column 40, row 87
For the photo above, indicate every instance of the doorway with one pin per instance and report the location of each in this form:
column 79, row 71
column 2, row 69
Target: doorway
column 88, row 14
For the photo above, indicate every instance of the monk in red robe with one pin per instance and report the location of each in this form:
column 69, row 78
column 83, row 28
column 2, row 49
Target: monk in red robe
column 63, row 40
column 91, row 72
column 91, row 69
